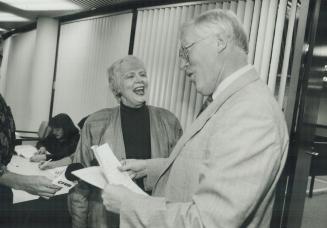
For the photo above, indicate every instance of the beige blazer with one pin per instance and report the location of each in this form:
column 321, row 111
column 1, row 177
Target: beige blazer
column 223, row 171
column 104, row 126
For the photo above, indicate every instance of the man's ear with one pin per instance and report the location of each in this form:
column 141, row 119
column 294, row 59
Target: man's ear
column 221, row 45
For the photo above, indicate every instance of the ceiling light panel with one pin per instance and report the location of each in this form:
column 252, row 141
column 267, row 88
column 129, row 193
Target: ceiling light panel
column 9, row 17
column 42, row 5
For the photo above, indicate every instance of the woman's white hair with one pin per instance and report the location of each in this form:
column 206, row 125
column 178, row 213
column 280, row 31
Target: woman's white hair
column 221, row 22
column 115, row 73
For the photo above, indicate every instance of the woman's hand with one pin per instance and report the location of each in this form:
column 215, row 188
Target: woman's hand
column 39, row 185
column 136, row 168
column 42, row 150
column 38, row 158
column 46, row 165
column 113, row 195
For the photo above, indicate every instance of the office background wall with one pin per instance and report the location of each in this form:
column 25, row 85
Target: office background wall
column 29, row 73
column 87, row 47
column 18, row 70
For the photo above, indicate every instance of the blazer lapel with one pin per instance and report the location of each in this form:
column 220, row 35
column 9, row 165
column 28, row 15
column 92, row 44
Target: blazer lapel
column 199, row 123
column 114, row 135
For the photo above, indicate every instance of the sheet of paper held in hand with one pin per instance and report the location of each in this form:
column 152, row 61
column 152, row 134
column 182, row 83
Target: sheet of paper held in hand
column 108, row 173
column 23, row 166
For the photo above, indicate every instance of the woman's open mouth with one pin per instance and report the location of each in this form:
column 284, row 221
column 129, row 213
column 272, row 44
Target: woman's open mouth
column 139, row 90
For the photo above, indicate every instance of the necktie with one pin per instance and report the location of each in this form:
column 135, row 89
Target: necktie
column 205, row 104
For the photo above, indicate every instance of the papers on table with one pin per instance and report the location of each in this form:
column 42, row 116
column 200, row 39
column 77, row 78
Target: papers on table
column 26, row 151
column 109, row 171
column 23, row 166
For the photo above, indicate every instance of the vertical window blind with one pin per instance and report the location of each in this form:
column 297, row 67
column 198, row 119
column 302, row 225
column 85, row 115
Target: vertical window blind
column 86, row 50
column 156, row 43
column 89, row 46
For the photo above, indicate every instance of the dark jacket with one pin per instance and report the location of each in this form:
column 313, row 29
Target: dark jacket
column 7, row 135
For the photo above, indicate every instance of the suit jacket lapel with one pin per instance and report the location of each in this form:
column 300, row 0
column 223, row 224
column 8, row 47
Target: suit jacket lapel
column 198, row 124
column 114, row 135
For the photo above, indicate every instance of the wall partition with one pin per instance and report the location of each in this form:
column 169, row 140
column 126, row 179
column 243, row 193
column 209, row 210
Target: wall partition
column 86, row 49
column 4, row 66
column 156, row 42
column 28, row 72
column 19, row 68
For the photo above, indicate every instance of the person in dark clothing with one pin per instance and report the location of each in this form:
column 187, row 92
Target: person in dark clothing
column 61, row 142
column 58, row 146
column 37, row 185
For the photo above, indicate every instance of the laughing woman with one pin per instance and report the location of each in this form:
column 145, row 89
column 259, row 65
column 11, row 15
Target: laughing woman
column 133, row 130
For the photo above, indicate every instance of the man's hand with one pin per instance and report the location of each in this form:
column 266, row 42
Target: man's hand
column 40, row 185
column 113, row 195
column 136, row 168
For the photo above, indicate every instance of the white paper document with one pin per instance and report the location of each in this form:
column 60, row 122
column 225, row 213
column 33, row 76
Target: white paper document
column 92, row 175
column 23, row 166
column 109, row 167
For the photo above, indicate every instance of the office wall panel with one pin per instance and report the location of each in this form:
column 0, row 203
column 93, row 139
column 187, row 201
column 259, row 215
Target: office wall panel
column 86, row 49
column 4, row 65
column 18, row 83
column 29, row 73
column 41, row 76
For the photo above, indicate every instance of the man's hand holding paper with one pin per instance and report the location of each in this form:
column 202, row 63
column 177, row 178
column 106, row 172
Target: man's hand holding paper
column 111, row 169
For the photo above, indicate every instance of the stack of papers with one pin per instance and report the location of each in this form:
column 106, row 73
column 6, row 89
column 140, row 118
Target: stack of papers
column 107, row 172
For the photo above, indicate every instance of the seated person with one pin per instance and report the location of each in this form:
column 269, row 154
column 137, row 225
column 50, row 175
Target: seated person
column 66, row 160
column 132, row 129
column 59, row 144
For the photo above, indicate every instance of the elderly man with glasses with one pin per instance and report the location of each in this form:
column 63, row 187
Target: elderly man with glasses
column 224, row 170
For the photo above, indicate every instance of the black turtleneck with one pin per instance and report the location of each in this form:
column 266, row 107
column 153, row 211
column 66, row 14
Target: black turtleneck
column 135, row 124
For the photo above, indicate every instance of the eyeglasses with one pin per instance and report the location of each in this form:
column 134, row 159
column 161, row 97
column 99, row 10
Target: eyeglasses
column 184, row 50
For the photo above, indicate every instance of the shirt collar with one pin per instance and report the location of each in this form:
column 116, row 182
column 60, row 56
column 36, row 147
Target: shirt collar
column 229, row 80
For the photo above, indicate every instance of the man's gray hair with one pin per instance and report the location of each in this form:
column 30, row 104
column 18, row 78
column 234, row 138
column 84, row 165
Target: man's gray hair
column 115, row 73
column 221, row 22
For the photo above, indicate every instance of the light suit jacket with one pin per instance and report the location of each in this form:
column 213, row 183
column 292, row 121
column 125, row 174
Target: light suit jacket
column 85, row 202
column 223, row 171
